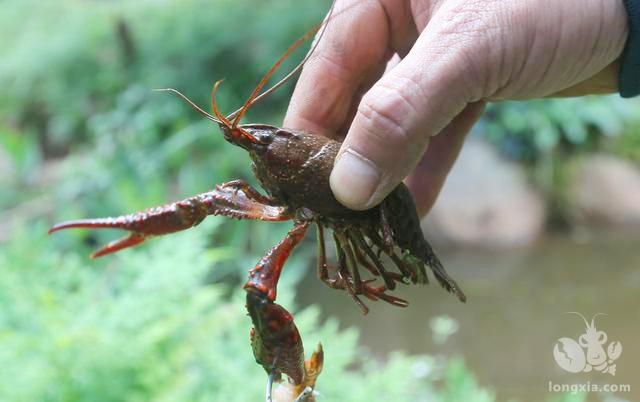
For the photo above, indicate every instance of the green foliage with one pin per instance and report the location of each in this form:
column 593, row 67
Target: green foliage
column 70, row 62
column 547, row 134
column 627, row 145
column 145, row 326
column 534, row 130
column 149, row 324
column 19, row 162
column 130, row 148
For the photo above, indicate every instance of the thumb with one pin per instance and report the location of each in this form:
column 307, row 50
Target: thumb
column 399, row 114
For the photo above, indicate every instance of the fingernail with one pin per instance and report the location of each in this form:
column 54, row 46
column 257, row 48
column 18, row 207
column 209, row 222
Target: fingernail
column 354, row 179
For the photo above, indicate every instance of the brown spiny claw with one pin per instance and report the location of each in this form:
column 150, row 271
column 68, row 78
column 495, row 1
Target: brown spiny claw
column 312, row 369
column 277, row 347
column 234, row 199
column 275, row 340
column 303, row 392
column 152, row 222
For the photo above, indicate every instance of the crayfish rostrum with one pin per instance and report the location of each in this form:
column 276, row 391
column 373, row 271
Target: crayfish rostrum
column 293, row 168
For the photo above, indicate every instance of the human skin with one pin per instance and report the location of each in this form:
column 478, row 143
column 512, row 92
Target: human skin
column 402, row 82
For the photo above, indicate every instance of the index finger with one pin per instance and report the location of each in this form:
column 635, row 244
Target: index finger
column 354, row 44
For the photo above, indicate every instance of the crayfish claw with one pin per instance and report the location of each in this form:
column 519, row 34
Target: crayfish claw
column 83, row 223
column 270, row 380
column 133, row 239
column 304, row 395
column 129, row 241
column 313, row 366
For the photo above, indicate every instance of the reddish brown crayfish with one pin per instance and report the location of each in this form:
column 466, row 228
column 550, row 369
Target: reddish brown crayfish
column 293, row 168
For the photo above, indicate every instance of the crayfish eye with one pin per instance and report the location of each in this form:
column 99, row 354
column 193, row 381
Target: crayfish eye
column 264, row 137
column 263, row 134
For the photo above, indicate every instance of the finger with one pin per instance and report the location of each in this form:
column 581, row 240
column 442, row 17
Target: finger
column 355, row 44
column 392, row 61
column 426, row 181
column 405, row 108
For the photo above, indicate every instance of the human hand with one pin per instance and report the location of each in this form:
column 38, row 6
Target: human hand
column 393, row 74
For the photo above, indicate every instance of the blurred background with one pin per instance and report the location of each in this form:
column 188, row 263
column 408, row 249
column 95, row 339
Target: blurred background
column 541, row 216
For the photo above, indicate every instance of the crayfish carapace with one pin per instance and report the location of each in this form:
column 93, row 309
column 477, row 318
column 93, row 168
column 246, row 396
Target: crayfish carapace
column 293, row 168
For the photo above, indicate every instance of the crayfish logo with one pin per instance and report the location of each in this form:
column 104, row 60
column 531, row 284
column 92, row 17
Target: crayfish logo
column 588, row 352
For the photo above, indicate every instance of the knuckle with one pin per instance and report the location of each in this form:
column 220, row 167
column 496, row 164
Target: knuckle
column 471, row 17
column 386, row 110
column 332, row 65
column 472, row 38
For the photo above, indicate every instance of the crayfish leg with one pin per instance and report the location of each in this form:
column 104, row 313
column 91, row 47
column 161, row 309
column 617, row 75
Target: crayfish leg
column 263, row 279
column 275, row 339
column 352, row 264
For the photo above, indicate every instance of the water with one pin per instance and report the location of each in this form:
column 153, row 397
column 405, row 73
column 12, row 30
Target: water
column 515, row 312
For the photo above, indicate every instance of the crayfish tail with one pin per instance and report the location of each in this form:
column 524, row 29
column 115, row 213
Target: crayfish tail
column 405, row 224
column 427, row 258
column 445, row 280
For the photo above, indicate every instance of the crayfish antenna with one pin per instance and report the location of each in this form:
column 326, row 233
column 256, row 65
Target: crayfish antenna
column 214, row 106
column 255, row 95
column 195, row 107
column 272, row 70
column 225, row 124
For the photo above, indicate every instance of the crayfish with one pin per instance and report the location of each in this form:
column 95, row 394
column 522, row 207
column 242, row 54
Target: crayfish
column 293, row 168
